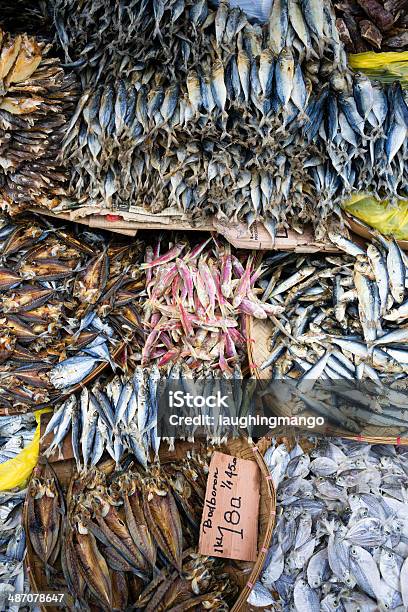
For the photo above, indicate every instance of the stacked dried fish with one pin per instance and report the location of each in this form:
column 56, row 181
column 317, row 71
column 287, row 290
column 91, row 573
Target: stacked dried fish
column 118, row 416
column 128, row 538
column 340, row 542
column 16, row 432
column 197, row 297
column 372, row 24
column 61, row 294
column 343, row 322
column 12, row 547
column 215, row 129
column 121, row 416
column 37, row 100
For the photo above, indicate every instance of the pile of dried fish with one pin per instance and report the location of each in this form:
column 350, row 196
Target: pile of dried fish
column 129, row 538
column 343, row 322
column 241, row 121
column 340, row 542
column 196, row 301
column 37, row 100
column 12, row 547
column 225, row 126
column 27, row 16
column 16, row 432
column 121, row 416
column 372, row 24
column 61, row 294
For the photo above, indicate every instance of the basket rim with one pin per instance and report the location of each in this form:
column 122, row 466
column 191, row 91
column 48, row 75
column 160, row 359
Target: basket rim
column 271, row 496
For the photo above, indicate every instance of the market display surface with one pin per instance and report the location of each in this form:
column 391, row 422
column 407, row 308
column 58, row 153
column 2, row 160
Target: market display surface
column 277, row 118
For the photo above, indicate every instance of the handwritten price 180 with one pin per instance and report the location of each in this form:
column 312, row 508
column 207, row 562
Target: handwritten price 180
column 231, row 517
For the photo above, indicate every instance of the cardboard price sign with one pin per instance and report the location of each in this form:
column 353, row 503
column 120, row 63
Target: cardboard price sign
column 229, row 525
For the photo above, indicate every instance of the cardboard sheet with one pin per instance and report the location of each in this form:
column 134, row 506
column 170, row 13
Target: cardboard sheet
column 229, row 525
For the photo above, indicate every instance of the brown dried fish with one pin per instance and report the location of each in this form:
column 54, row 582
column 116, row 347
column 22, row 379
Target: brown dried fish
column 90, row 284
column 162, row 516
column 370, row 33
column 135, row 518
column 92, row 567
column 383, row 19
column 44, row 515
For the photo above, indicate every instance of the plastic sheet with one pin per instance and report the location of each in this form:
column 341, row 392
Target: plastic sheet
column 256, row 9
column 15, row 472
column 387, row 219
column 384, row 67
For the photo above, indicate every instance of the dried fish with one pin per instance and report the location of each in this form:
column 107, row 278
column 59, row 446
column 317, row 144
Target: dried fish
column 37, row 99
column 120, row 416
column 15, row 434
column 138, row 144
column 343, row 328
column 377, row 25
column 338, row 543
column 60, row 303
column 193, row 312
column 12, row 543
column 122, row 528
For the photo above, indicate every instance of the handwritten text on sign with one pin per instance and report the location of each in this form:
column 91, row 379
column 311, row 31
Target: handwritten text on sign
column 229, row 526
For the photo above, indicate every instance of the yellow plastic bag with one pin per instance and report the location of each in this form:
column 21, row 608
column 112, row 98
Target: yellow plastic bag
column 389, row 220
column 384, row 67
column 15, row 472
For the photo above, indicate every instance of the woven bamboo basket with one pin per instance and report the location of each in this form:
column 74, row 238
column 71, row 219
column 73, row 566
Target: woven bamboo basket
column 244, row 573
column 259, row 332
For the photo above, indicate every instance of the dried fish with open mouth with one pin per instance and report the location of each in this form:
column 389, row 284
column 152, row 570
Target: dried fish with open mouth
column 340, row 540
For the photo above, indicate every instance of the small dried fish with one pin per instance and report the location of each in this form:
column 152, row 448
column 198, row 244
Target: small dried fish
column 338, row 543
